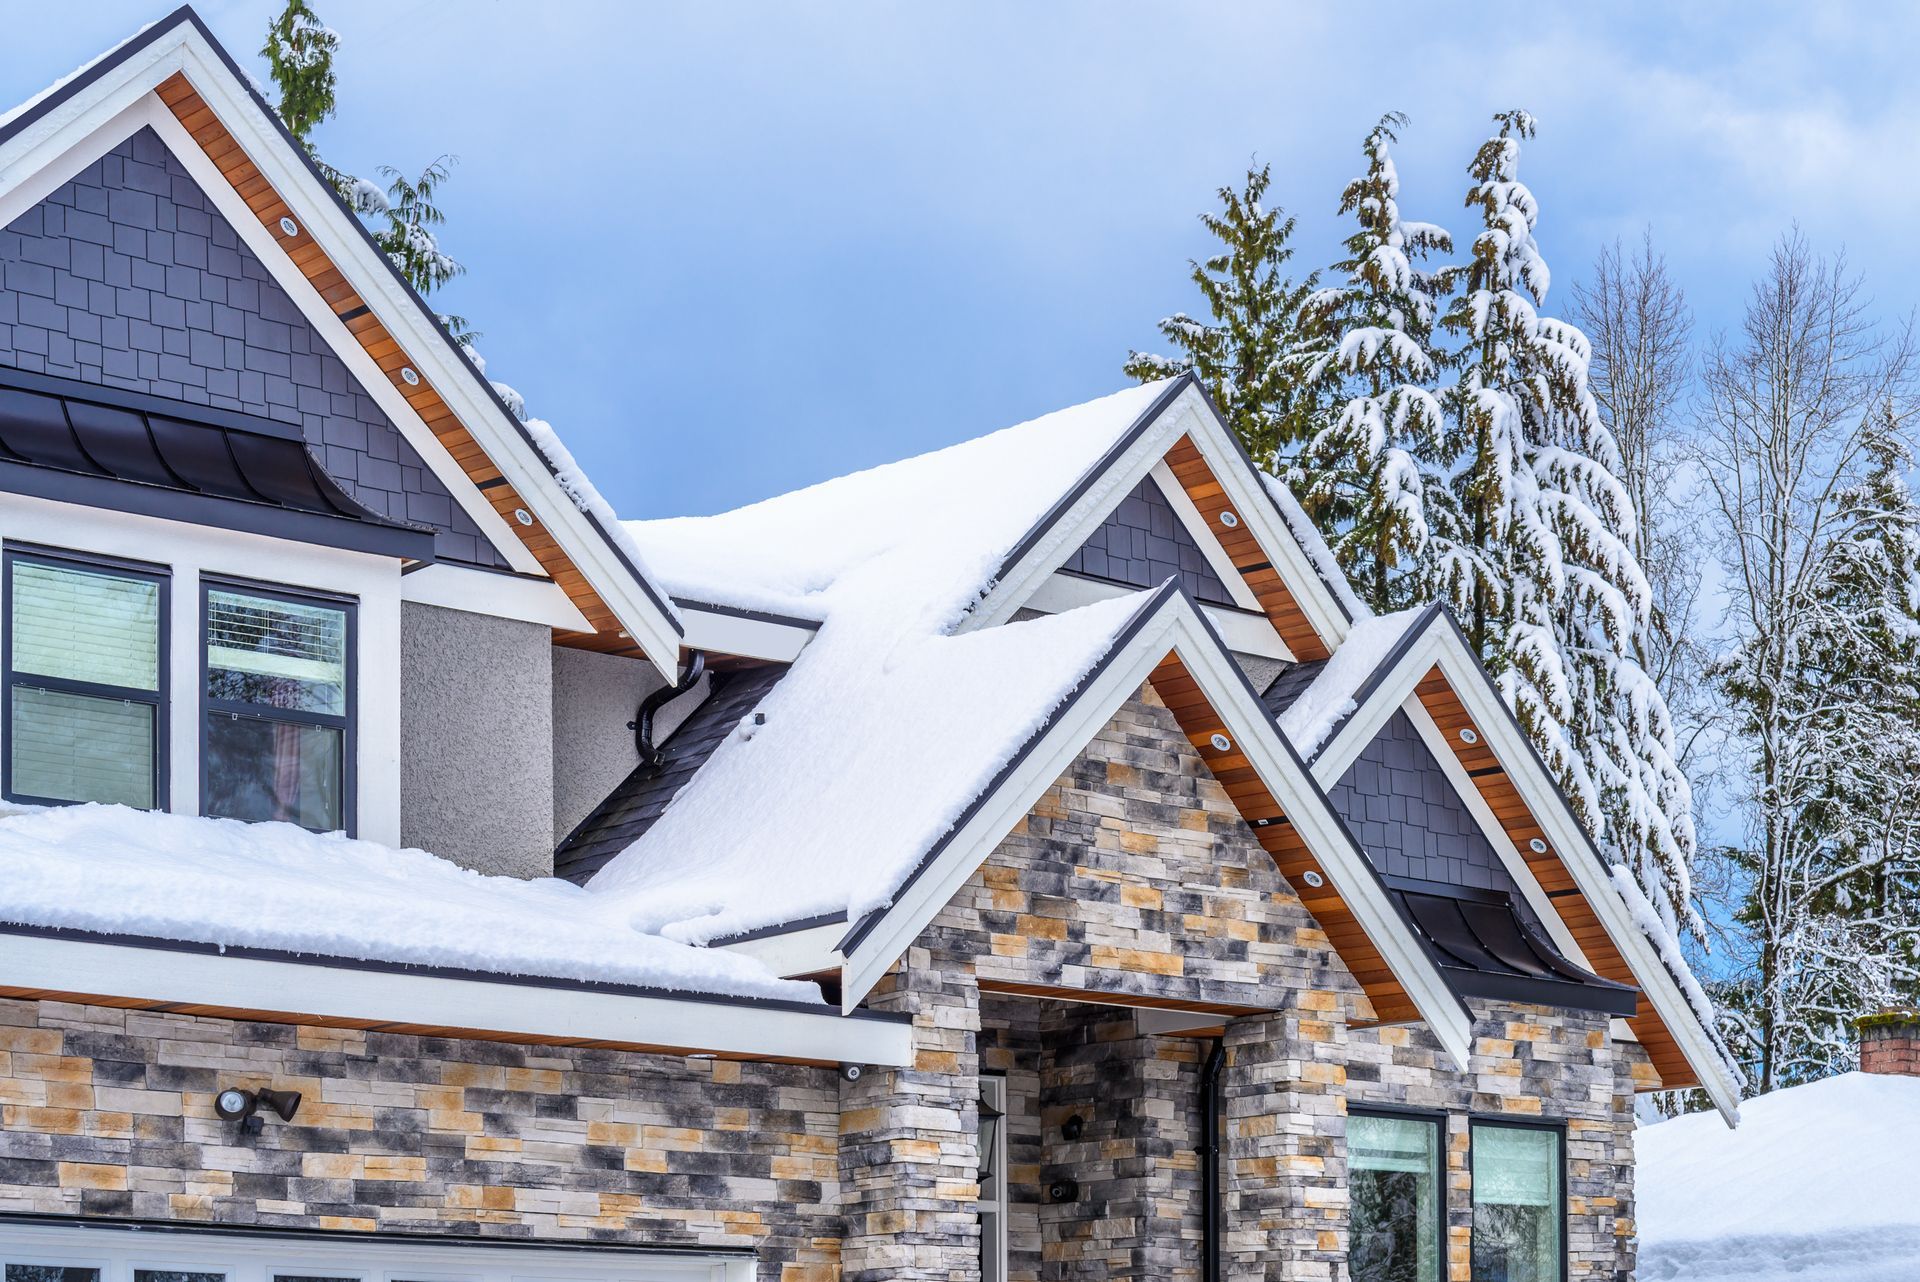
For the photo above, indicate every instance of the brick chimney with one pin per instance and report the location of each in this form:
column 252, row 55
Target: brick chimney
column 1890, row 1042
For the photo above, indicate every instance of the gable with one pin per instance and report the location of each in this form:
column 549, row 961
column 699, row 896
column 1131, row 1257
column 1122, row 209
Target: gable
column 1143, row 543
column 128, row 277
column 1135, row 880
column 1403, row 810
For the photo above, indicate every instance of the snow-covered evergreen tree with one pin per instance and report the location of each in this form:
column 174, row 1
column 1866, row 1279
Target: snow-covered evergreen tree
column 1255, row 352
column 1369, row 477
column 1542, row 571
column 300, row 51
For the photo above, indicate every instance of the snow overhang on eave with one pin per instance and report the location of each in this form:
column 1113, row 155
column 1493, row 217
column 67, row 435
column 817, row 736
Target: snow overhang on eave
column 179, row 62
column 1433, row 659
column 1170, row 630
column 278, row 987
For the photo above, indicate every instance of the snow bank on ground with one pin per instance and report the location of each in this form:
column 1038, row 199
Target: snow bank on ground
column 872, row 747
column 272, row 885
column 1329, row 700
column 943, row 520
column 1821, row 1183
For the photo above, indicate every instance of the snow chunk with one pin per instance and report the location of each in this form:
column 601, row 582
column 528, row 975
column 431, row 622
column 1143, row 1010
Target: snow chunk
column 1817, row 1185
column 273, row 885
column 945, row 520
column 1330, row 700
column 871, row 748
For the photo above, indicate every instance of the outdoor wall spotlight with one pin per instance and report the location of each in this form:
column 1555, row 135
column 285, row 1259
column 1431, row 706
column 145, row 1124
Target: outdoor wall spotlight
column 285, row 1103
column 1072, row 1128
column 243, row 1106
column 233, row 1104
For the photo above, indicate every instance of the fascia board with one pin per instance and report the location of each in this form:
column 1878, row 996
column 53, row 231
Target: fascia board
column 988, row 824
column 1285, row 776
column 1442, row 646
column 640, row 609
column 1245, row 633
column 194, row 978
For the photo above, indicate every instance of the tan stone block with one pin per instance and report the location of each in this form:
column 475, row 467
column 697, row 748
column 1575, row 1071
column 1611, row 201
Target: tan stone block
column 53, row 1068
column 931, row 1061
column 30, row 1091
column 75, row 1095
column 1520, row 1104
column 349, row 1223
column 1034, row 927
column 1008, row 945
column 490, row 1077
column 92, row 1175
column 677, row 1139
column 398, row 1169
column 331, row 1166
column 190, row 1206
column 725, row 1072
column 620, row 1134
column 32, row 1041
column 496, row 1146
column 1138, row 960
column 1139, row 843
column 810, row 1273
column 1137, row 896
column 544, row 1081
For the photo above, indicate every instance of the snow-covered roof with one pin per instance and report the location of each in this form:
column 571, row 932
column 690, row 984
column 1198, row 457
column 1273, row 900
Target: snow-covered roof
column 872, row 746
column 1332, row 696
column 1820, row 1183
column 115, row 871
column 921, row 538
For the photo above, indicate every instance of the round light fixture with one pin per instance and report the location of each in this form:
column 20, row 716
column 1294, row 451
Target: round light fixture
column 523, row 516
column 232, row 1103
column 1229, row 518
column 1220, row 742
column 289, row 226
column 1469, row 735
column 1537, row 846
column 1313, row 879
column 408, row 376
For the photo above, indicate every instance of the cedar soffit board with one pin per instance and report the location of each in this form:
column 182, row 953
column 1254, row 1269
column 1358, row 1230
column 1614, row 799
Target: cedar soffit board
column 1282, row 607
column 355, row 313
column 1277, row 835
column 1517, row 819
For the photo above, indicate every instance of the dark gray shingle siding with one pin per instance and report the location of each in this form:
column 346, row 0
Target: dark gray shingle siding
column 1404, row 812
column 128, row 277
column 1143, row 543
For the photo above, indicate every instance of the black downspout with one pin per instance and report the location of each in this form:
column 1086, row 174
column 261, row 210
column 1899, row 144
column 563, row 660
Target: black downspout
column 1210, row 1161
column 642, row 723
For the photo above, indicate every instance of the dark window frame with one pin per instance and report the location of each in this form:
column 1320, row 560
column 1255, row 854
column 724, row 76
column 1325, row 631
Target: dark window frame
column 348, row 723
column 1437, row 1119
column 158, row 699
column 1558, row 1126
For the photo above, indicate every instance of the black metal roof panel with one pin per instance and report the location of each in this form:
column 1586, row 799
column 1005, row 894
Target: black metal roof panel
column 131, row 452
column 1290, row 685
column 1485, row 949
column 643, row 796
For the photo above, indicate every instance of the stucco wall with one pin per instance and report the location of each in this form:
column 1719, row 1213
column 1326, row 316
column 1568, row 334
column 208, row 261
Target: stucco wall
column 476, row 734
column 594, row 697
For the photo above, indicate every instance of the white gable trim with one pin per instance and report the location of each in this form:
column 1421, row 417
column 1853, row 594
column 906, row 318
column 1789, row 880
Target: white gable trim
column 316, row 989
column 1203, row 536
column 1246, row 633
column 1172, row 626
column 127, row 75
column 1187, row 413
column 1441, row 645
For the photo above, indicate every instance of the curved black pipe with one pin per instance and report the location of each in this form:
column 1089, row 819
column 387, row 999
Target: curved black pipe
column 643, row 719
column 1210, row 1161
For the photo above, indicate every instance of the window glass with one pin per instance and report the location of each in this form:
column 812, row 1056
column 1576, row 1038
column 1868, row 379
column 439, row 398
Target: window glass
column 51, row 1273
column 277, row 654
column 1517, row 1208
column 1394, row 1165
column 175, row 1275
column 275, row 744
column 83, row 704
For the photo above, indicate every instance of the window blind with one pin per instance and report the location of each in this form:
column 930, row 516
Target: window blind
column 84, row 625
column 72, row 747
column 280, row 654
column 1514, row 1166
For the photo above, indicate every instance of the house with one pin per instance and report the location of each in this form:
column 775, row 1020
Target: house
column 1821, row 1183
column 1026, row 860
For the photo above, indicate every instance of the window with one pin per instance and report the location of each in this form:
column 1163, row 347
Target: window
column 277, row 742
column 1394, row 1172
column 1519, row 1209
column 85, row 655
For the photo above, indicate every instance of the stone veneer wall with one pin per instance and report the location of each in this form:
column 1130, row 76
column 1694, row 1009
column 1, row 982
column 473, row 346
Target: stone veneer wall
column 110, row 1112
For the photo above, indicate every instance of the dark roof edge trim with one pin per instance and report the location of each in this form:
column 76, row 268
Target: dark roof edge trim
column 1169, row 591
column 1603, row 996
column 741, row 612
column 329, row 962
column 1398, row 651
column 383, row 1237
column 781, row 928
column 1085, row 481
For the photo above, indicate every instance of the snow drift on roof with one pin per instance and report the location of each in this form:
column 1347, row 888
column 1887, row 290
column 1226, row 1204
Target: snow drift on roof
column 1317, row 711
column 272, row 885
column 873, row 745
column 1308, row 536
column 1821, row 1183
column 944, row 520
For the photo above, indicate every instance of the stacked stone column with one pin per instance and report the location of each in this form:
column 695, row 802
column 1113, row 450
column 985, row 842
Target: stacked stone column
column 909, row 1137
column 1286, row 1177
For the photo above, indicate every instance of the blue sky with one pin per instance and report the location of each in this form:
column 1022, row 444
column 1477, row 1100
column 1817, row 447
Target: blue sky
column 733, row 249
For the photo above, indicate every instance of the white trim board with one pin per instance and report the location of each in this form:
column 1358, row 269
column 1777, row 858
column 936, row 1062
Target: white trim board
column 1173, row 626
column 1248, row 634
column 1441, row 645
column 317, row 990
column 723, row 632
